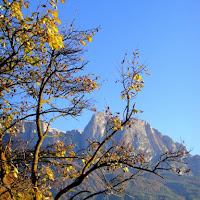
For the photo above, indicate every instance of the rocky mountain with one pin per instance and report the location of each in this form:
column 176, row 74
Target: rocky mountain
column 145, row 140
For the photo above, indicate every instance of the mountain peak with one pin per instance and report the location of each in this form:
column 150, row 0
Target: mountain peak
column 141, row 134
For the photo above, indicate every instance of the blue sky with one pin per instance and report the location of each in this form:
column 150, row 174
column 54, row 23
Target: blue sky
column 167, row 34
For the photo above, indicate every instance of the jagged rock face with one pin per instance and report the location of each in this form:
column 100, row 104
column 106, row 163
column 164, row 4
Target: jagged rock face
column 141, row 135
column 148, row 140
column 144, row 138
column 96, row 127
column 28, row 132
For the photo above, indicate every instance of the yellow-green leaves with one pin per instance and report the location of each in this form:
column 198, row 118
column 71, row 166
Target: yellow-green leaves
column 38, row 68
column 16, row 10
column 123, row 96
column 15, row 173
column 138, row 77
column 115, row 123
column 57, row 20
column 55, row 13
column 16, row 170
column 7, row 168
column 50, row 174
column 82, row 42
column 54, row 38
column 26, row 4
column 3, row 156
column 6, row 102
column 69, row 168
column 86, row 37
column 3, row 44
column 125, row 169
column 89, row 39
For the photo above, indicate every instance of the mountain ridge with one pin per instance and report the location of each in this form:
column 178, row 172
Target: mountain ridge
column 145, row 139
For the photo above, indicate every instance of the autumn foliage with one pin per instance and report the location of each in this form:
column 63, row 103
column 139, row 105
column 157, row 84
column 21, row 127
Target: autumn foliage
column 42, row 78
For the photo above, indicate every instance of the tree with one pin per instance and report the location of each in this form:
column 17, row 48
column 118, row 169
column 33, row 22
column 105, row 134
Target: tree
column 44, row 66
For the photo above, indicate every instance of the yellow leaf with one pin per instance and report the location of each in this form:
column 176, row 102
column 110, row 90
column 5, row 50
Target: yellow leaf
column 83, row 160
column 55, row 28
column 3, row 156
column 7, row 105
column 125, row 169
column 109, row 187
column 63, row 1
column 138, row 77
column 80, row 58
column 3, row 44
column 89, row 39
column 55, row 13
column 115, row 128
column 50, row 174
column 16, row 170
column 49, row 11
column 20, row 195
column 38, row 83
column 15, row 175
column 57, row 20
column 82, row 42
column 123, row 96
column 26, row 4
column 7, row 169
column 135, row 111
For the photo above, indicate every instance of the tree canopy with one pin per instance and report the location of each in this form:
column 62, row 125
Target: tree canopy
column 43, row 78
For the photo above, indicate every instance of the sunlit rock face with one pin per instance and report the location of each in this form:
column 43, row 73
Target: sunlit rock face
column 96, row 127
column 148, row 140
column 141, row 135
column 28, row 132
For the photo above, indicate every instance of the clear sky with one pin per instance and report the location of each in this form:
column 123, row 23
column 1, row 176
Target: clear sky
column 167, row 34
